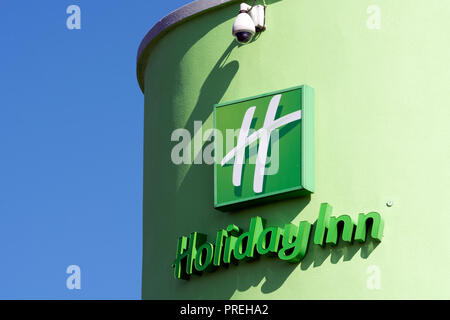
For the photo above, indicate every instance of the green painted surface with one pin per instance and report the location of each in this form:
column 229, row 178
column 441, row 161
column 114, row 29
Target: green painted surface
column 381, row 129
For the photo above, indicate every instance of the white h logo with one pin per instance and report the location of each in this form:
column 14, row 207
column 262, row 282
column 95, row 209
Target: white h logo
column 263, row 134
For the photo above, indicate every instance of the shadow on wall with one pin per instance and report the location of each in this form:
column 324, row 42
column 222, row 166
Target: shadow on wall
column 214, row 87
column 317, row 255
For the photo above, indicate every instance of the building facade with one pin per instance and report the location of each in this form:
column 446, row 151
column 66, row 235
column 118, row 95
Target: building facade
column 379, row 70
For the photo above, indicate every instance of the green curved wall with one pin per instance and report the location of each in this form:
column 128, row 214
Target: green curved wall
column 382, row 110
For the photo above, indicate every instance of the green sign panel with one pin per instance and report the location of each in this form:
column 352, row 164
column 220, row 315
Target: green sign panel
column 268, row 148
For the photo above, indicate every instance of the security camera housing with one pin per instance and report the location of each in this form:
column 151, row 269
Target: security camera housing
column 249, row 21
column 258, row 15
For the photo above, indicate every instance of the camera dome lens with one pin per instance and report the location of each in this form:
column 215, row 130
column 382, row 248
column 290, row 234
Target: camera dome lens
column 244, row 37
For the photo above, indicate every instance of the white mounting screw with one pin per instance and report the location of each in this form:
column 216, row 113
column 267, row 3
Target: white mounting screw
column 389, row 203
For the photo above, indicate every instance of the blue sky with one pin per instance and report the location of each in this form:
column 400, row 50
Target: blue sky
column 71, row 134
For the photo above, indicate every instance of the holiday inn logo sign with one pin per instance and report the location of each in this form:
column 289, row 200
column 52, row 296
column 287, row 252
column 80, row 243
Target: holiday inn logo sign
column 289, row 243
column 279, row 125
column 269, row 157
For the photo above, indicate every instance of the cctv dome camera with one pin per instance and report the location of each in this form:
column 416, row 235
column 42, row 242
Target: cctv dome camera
column 244, row 28
column 249, row 21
